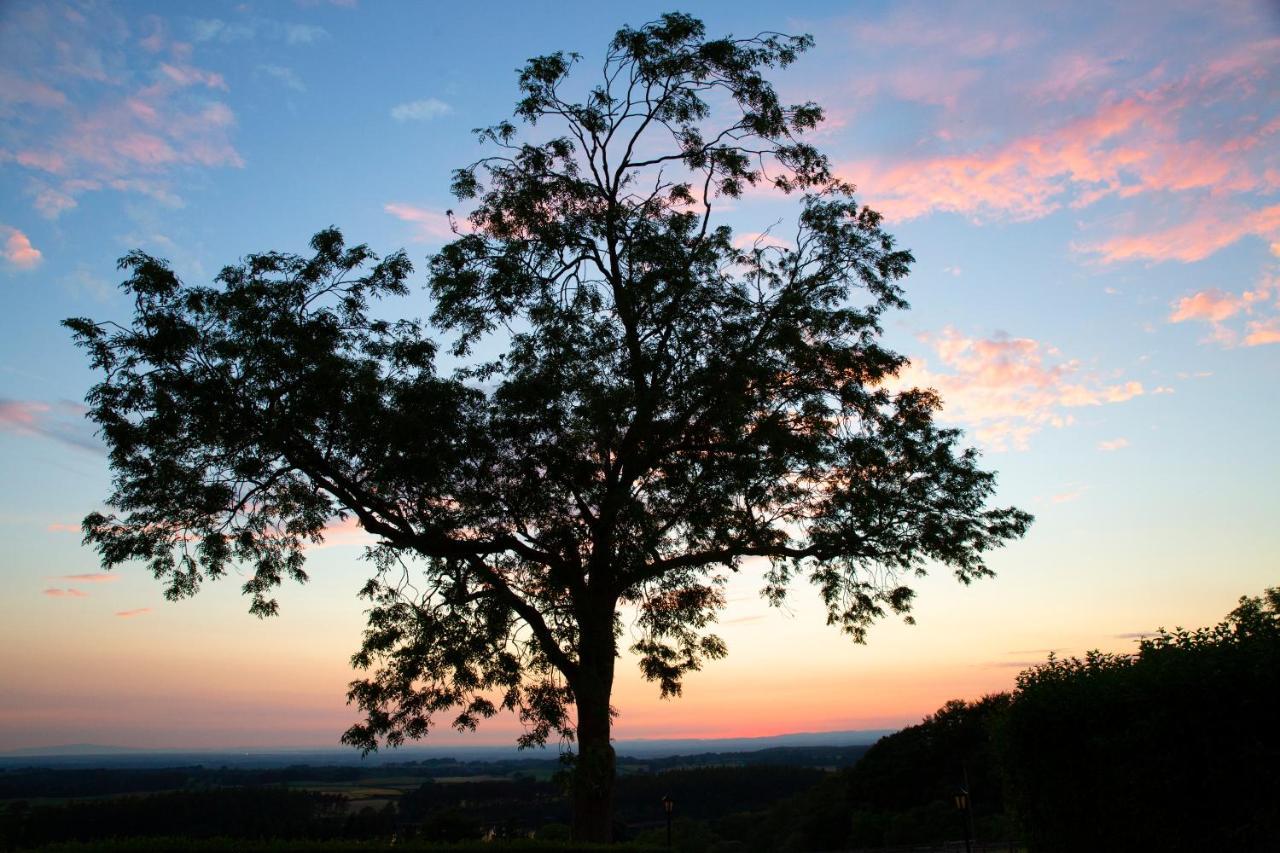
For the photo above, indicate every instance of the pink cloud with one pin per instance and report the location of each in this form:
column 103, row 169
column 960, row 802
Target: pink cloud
column 1125, row 147
column 129, row 614
column 15, row 90
column 95, row 577
column 1113, row 444
column 43, row 160
column 132, row 120
column 1007, row 389
column 64, row 593
column 1069, row 495
column 345, row 532
column 1212, row 305
column 62, row 421
column 63, row 527
column 1193, row 240
column 429, row 226
column 1261, row 307
column 18, row 251
column 1262, row 332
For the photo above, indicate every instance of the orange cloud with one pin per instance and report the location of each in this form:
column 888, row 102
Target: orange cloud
column 18, row 251
column 94, row 577
column 64, row 593
column 1007, row 389
column 129, row 614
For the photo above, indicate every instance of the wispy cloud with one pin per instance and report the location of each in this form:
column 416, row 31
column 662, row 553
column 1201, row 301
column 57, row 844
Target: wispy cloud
column 110, row 106
column 429, row 226
column 1113, row 444
column 1205, row 232
column 1007, row 389
column 61, row 421
column 1053, row 112
column 54, row 592
column 17, row 250
column 423, row 110
column 248, row 29
column 286, row 76
column 1068, row 495
column 129, row 614
column 95, row 577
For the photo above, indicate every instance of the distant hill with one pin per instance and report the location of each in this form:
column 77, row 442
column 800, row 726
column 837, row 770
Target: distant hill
column 84, row 754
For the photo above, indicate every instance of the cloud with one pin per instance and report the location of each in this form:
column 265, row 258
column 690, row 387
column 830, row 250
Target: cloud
column 63, row 527
column 1263, row 332
column 230, row 32
column 129, row 614
column 17, row 249
column 423, row 110
column 1007, row 389
column 346, row 532
column 1055, row 112
column 1260, row 307
column 94, row 577
column 287, row 76
column 54, row 592
column 1211, row 305
column 1113, row 444
column 429, row 226
column 107, row 109
column 18, row 91
column 1069, row 495
column 61, row 421
column 1195, row 239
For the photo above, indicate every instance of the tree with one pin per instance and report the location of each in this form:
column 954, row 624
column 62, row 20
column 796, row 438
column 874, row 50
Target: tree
column 664, row 406
column 1171, row 748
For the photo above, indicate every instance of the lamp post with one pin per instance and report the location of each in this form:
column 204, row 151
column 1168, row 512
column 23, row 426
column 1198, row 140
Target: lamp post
column 668, row 805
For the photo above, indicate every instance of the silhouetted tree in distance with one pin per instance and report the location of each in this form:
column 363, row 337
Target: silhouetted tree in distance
column 664, row 406
column 1173, row 748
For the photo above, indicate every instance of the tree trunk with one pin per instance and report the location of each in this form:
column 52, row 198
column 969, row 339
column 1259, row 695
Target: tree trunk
column 594, row 772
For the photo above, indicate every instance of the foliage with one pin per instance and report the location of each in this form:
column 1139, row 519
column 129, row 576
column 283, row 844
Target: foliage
column 1172, row 748
column 664, row 404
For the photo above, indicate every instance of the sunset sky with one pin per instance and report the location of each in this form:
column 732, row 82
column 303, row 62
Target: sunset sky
column 1091, row 191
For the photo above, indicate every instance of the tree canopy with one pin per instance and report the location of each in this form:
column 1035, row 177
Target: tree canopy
column 656, row 404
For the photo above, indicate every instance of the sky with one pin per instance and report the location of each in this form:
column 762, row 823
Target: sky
column 1091, row 192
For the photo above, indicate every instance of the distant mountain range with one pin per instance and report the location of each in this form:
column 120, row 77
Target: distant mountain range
column 80, row 754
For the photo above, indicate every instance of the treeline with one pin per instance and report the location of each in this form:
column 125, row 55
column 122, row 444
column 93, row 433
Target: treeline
column 1174, row 748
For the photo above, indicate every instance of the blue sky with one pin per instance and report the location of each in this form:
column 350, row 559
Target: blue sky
column 1092, row 193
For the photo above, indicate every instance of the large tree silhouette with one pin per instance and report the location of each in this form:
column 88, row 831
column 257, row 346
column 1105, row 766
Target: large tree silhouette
column 662, row 406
